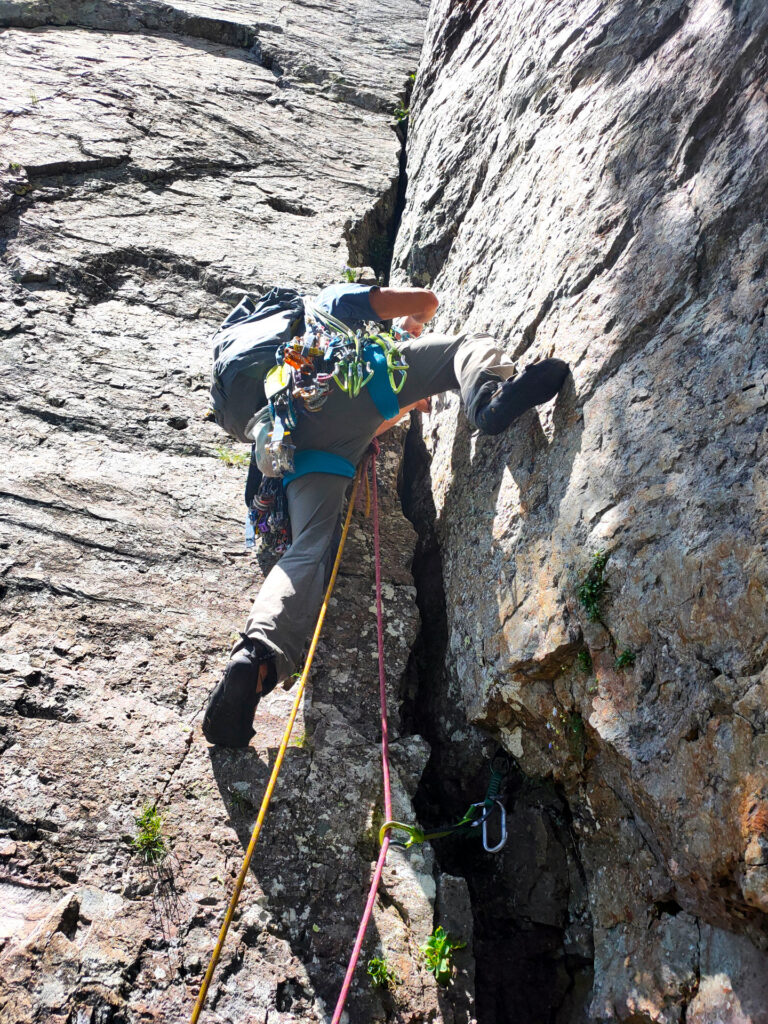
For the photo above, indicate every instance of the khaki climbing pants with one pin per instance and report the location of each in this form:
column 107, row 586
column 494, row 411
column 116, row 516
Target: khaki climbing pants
column 286, row 607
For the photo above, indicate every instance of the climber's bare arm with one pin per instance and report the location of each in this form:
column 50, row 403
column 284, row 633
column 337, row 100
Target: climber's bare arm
column 422, row 406
column 415, row 305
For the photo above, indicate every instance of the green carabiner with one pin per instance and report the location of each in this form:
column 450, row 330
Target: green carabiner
column 395, row 362
column 392, row 369
column 414, row 833
column 341, row 374
column 354, row 379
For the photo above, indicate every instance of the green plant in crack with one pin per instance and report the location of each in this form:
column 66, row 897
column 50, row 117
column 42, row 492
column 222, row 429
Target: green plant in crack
column 380, row 972
column 592, row 588
column 349, row 275
column 438, row 954
column 149, row 840
column 584, row 661
column 230, row 457
column 626, row 659
column 401, row 112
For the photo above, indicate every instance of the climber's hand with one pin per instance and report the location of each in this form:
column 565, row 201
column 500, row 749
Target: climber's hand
column 424, row 405
column 410, row 324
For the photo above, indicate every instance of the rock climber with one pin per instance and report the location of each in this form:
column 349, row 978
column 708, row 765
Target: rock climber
column 282, row 616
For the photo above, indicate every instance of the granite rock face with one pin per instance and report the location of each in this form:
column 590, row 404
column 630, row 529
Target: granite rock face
column 584, row 179
column 157, row 160
column 588, row 180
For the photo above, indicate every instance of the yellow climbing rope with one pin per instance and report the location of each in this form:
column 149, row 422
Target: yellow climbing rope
column 276, row 769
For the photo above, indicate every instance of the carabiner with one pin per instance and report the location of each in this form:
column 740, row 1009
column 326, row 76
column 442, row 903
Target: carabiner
column 394, row 360
column 396, row 364
column 502, row 841
column 414, row 833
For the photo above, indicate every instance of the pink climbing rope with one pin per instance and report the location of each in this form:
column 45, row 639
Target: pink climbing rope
column 384, row 754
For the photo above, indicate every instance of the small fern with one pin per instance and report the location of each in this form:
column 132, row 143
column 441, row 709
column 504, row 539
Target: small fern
column 626, row 659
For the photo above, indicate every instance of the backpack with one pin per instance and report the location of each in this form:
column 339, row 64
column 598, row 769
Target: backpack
column 244, row 350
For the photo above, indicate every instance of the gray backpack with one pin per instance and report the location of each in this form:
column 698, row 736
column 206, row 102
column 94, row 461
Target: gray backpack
column 244, row 352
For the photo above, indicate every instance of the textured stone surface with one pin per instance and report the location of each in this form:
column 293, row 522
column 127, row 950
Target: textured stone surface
column 589, row 180
column 586, row 179
column 157, row 159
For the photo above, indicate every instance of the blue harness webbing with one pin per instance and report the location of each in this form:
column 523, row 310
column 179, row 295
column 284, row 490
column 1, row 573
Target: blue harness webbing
column 310, row 460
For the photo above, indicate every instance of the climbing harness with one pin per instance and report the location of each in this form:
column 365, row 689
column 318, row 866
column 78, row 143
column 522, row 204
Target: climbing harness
column 478, row 816
column 200, row 1002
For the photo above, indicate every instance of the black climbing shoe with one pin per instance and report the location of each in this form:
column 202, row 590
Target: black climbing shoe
column 228, row 720
column 507, row 401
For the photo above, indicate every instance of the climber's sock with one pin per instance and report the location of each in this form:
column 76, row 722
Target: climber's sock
column 228, row 720
column 497, row 405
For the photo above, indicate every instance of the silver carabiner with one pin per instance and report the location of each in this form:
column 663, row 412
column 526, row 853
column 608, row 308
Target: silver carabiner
column 502, row 841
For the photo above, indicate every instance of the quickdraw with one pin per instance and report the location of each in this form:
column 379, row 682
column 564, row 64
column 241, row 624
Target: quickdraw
column 477, row 816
